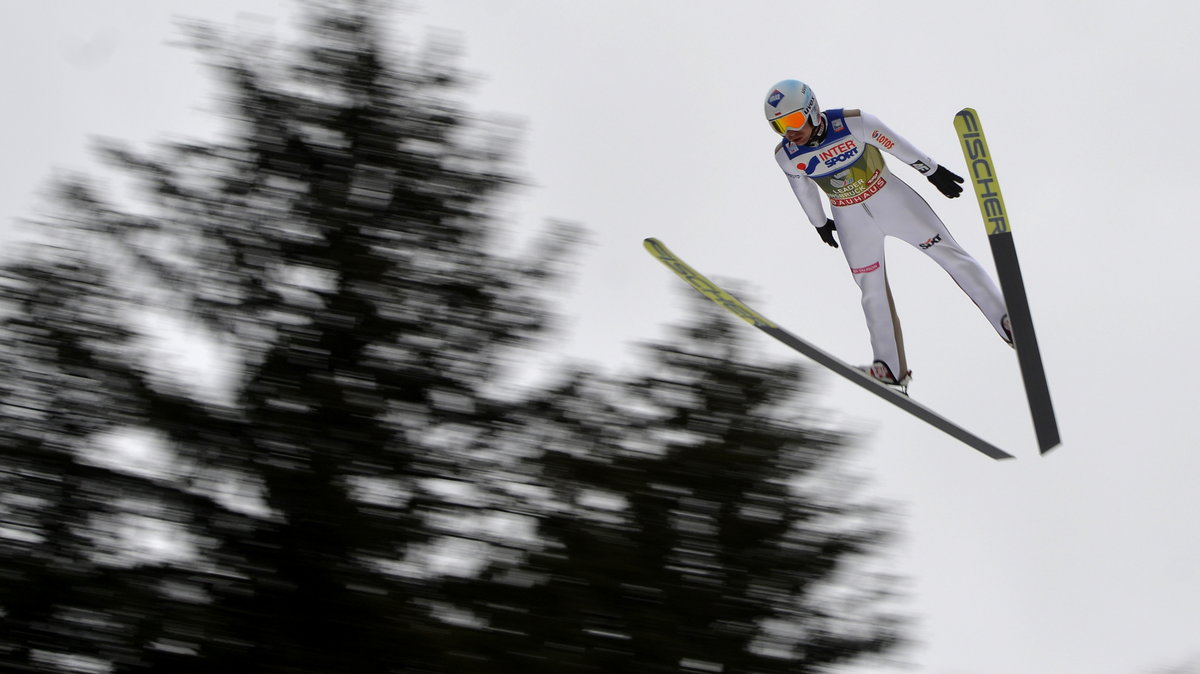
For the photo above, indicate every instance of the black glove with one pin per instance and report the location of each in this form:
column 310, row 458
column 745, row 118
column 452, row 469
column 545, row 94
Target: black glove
column 946, row 182
column 826, row 232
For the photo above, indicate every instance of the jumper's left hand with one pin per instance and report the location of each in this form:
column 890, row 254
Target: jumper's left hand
column 946, row 182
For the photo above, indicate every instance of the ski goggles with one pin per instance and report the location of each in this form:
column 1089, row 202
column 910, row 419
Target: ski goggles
column 792, row 120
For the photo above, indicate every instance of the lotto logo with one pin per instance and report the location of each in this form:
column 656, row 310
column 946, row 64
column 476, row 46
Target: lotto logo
column 808, row 167
column 774, row 98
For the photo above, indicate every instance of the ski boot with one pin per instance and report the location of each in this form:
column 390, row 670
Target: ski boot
column 880, row 372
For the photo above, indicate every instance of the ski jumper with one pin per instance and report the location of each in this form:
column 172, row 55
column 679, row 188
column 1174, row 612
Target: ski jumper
column 870, row 203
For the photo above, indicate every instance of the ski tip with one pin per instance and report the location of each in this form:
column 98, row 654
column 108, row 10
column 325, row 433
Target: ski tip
column 653, row 245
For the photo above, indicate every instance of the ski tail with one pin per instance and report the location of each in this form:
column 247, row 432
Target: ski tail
column 1008, row 269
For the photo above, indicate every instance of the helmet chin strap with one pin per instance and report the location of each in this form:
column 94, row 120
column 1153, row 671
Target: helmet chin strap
column 819, row 132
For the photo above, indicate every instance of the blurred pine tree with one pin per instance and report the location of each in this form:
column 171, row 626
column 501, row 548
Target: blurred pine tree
column 342, row 489
column 695, row 519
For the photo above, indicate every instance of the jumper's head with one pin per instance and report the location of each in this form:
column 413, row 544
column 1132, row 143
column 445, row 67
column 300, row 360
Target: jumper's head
column 790, row 105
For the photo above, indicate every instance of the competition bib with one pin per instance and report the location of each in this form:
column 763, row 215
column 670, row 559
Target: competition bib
column 846, row 169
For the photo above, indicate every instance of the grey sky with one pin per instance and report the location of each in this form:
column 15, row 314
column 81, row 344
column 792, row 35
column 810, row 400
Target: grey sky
column 644, row 118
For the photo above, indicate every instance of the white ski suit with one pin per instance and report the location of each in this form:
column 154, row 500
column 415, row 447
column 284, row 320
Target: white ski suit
column 870, row 203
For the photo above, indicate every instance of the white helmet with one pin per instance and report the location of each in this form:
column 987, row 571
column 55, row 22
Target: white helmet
column 790, row 104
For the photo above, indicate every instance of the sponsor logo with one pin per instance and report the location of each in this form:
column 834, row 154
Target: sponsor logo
column 982, row 174
column 859, row 198
column 865, row 270
column 774, row 98
column 930, row 243
column 883, row 140
column 838, row 126
column 810, row 102
column 808, row 165
column 841, row 148
column 844, row 151
column 921, row 166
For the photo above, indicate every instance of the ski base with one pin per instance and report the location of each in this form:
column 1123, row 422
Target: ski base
column 851, row 373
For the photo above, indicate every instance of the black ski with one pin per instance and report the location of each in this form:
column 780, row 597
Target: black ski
column 723, row 298
column 1004, row 252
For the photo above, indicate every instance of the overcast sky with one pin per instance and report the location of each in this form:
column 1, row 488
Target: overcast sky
column 644, row 119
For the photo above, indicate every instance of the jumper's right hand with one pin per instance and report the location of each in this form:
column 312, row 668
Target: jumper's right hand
column 826, row 232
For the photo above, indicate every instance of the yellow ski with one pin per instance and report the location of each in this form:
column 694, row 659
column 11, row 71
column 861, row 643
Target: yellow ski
column 715, row 293
column 982, row 173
